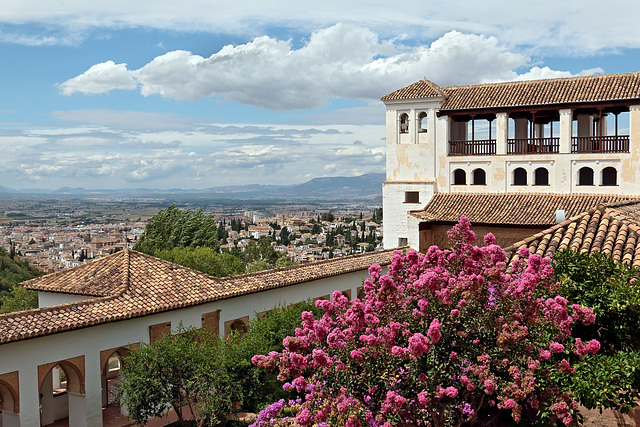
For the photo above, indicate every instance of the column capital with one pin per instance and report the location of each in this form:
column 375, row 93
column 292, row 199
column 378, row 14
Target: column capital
column 634, row 108
column 565, row 111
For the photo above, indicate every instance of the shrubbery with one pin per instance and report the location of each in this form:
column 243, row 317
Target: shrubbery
column 209, row 375
column 435, row 341
column 610, row 379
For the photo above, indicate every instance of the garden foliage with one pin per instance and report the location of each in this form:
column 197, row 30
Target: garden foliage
column 184, row 372
column 439, row 338
column 610, row 379
column 207, row 374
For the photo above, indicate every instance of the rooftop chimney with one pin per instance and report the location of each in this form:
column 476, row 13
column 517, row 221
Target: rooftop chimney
column 560, row 216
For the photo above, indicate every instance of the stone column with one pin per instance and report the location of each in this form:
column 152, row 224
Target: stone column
column 566, row 130
column 502, row 133
column 413, row 127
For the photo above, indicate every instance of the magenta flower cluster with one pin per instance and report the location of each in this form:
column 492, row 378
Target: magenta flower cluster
column 437, row 338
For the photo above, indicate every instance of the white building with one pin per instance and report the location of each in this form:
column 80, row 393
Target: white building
column 94, row 312
column 578, row 135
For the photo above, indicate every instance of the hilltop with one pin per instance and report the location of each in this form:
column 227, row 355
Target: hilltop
column 365, row 187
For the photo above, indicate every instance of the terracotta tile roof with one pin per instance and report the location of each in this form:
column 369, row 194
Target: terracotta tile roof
column 510, row 208
column 137, row 285
column 422, row 89
column 569, row 90
column 94, row 279
column 611, row 229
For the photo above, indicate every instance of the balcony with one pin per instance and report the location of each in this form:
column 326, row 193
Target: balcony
column 600, row 144
column 473, row 148
column 533, row 146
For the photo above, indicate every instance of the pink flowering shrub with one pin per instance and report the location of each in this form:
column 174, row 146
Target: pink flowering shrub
column 436, row 339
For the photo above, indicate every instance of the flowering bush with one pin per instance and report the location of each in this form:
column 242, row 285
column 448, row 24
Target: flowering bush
column 438, row 338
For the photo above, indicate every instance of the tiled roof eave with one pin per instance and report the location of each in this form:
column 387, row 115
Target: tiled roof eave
column 574, row 104
column 133, row 299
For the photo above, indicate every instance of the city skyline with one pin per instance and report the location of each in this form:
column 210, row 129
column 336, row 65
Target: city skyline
column 195, row 94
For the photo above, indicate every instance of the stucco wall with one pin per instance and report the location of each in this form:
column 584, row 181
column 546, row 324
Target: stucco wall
column 26, row 356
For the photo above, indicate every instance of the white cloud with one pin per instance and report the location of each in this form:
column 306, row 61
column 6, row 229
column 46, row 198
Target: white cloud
column 112, row 155
column 550, row 25
column 100, row 78
column 342, row 61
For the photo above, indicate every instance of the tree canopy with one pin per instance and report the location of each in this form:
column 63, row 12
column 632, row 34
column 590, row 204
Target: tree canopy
column 172, row 227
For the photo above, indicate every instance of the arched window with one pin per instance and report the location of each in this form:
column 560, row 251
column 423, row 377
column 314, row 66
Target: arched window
column 585, row 176
column 404, row 123
column 519, row 177
column 479, row 177
column 459, row 177
column 609, row 176
column 422, row 120
column 541, row 177
column 239, row 326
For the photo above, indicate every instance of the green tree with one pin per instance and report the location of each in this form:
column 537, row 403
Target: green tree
column 172, row 227
column 259, row 250
column 14, row 271
column 328, row 216
column 257, row 386
column 185, row 369
column 18, row 299
column 285, row 236
column 204, row 259
column 610, row 378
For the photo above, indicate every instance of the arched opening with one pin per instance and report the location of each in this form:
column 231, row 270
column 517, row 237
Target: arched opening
column 404, row 123
column 9, row 400
column 609, row 176
column 519, row 176
column 541, row 176
column 111, row 362
column 479, row 177
column 241, row 326
column 585, row 176
column 422, row 122
column 459, row 177
column 62, row 392
column 238, row 326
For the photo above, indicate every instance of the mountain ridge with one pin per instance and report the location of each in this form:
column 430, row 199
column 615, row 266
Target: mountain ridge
column 363, row 187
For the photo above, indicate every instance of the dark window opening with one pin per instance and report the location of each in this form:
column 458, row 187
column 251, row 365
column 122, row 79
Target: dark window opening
column 411, row 197
column 479, row 177
column 609, row 176
column 585, row 176
column 519, row 177
column 541, row 176
column 404, row 123
column 422, row 119
column 459, row 177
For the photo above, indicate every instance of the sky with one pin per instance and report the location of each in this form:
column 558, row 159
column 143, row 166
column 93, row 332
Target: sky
column 201, row 93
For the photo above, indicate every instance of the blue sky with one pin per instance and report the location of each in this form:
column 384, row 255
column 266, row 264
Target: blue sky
column 201, row 93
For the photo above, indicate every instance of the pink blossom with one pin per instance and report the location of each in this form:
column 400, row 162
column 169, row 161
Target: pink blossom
column 556, row 347
column 451, row 392
column 545, row 354
column 509, row 404
column 423, row 398
column 592, row 346
column 489, row 386
column 304, row 417
column 434, row 331
column 418, row 344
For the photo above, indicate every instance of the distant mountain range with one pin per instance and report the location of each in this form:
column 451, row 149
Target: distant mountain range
column 364, row 187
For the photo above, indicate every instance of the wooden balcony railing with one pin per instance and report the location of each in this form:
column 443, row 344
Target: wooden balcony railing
column 600, row 144
column 533, row 145
column 479, row 147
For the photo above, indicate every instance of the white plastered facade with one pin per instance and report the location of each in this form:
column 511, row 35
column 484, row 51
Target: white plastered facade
column 422, row 162
column 85, row 408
